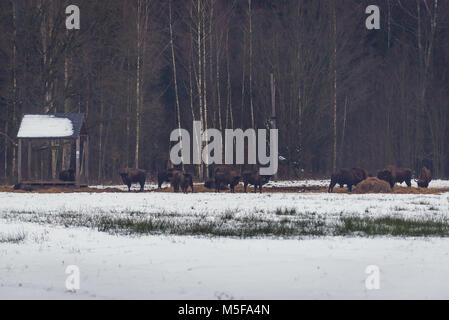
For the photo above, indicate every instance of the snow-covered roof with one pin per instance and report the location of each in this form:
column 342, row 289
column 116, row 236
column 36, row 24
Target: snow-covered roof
column 51, row 126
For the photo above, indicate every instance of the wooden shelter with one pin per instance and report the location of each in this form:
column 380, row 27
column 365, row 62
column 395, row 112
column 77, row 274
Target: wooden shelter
column 70, row 126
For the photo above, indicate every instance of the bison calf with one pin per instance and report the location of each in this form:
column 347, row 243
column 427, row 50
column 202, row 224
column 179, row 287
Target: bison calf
column 255, row 179
column 130, row 176
column 67, row 175
column 165, row 176
column 181, row 180
column 424, row 178
column 210, row 184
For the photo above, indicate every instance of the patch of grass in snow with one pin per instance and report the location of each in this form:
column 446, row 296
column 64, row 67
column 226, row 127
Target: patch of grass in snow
column 393, row 227
column 285, row 212
column 228, row 215
column 15, row 238
column 246, row 227
column 235, row 223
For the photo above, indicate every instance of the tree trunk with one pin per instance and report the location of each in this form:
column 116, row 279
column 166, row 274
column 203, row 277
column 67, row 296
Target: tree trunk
column 334, row 66
column 66, row 148
column 229, row 102
column 178, row 107
column 203, row 18
column 14, row 84
column 200, row 73
column 251, row 65
column 142, row 19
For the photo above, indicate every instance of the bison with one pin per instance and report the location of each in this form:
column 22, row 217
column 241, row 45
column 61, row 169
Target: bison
column 181, row 179
column 255, row 179
column 226, row 175
column 424, row 178
column 67, row 175
column 350, row 177
column 165, row 176
column 361, row 174
column 393, row 175
column 210, row 184
column 130, row 176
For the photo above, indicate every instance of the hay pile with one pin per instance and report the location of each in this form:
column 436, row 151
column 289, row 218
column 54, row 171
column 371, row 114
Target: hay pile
column 372, row 185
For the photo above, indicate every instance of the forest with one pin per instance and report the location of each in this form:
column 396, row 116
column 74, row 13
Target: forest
column 345, row 96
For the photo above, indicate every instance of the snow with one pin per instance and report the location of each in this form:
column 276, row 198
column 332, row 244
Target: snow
column 297, row 183
column 198, row 205
column 134, row 187
column 159, row 267
column 438, row 183
column 116, row 266
column 45, row 126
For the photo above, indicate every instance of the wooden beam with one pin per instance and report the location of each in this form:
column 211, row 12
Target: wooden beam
column 273, row 109
column 29, row 159
column 86, row 159
column 77, row 156
column 19, row 161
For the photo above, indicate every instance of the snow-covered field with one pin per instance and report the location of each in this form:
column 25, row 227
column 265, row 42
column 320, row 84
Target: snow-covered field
column 212, row 205
column 53, row 231
column 159, row 267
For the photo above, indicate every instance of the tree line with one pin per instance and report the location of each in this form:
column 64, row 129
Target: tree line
column 345, row 96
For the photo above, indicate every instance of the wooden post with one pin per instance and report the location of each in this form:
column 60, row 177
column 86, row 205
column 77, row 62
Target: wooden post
column 273, row 108
column 29, row 159
column 86, row 159
column 273, row 103
column 19, row 161
column 77, row 179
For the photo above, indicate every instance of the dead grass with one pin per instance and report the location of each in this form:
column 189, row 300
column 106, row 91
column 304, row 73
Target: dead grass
column 15, row 238
column 372, row 185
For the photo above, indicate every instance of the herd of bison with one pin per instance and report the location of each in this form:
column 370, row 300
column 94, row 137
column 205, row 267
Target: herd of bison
column 391, row 175
column 225, row 176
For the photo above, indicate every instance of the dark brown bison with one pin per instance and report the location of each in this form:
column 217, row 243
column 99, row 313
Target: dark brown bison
column 165, row 176
column 350, row 177
column 226, row 175
column 67, row 175
column 210, row 184
column 187, row 182
column 388, row 176
column 130, row 176
column 424, row 178
column 254, row 178
column 393, row 175
column 183, row 180
column 361, row 174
